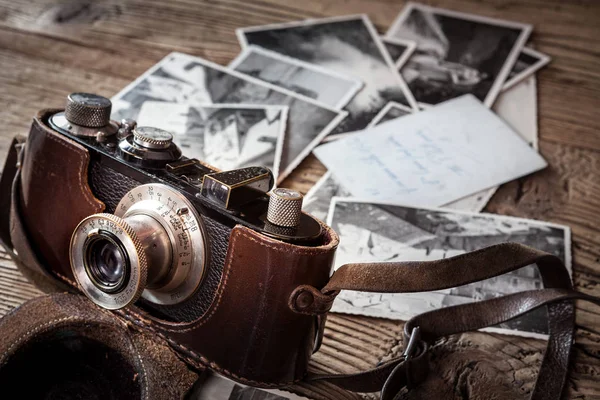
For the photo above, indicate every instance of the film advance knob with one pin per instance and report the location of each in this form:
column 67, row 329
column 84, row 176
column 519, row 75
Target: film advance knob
column 285, row 207
column 152, row 138
column 88, row 110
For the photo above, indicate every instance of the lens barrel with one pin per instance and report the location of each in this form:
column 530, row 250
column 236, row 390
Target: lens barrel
column 106, row 261
column 155, row 248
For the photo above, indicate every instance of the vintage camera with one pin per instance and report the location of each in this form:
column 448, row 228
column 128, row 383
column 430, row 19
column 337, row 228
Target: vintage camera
column 210, row 258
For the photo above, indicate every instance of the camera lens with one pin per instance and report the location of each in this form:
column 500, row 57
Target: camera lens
column 106, row 262
column 155, row 246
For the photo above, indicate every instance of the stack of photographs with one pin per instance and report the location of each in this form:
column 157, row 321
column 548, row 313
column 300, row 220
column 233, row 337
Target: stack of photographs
column 297, row 84
column 192, row 83
column 379, row 232
column 333, row 75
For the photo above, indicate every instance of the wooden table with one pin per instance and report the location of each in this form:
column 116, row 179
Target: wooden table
column 49, row 48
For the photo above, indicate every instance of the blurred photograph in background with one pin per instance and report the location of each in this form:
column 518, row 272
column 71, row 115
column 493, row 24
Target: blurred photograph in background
column 457, row 53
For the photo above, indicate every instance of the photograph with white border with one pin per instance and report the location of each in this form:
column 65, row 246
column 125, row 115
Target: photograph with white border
column 323, row 85
column 318, row 199
column 399, row 49
column 181, row 78
column 517, row 106
column 349, row 45
column 392, row 110
column 457, row 53
column 528, row 62
column 226, row 136
column 387, row 232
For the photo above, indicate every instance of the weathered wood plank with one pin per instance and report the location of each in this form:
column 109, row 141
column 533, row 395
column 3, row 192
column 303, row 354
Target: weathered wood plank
column 50, row 47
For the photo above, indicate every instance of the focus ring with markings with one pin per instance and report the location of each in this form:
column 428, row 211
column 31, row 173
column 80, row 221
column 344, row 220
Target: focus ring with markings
column 154, row 244
column 125, row 257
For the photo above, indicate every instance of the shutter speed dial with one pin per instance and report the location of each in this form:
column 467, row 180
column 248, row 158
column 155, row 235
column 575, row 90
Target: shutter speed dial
column 152, row 138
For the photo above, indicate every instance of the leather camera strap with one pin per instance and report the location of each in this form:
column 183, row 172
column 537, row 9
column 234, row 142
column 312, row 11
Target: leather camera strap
column 423, row 330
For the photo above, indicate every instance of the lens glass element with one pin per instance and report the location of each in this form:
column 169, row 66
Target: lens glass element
column 106, row 262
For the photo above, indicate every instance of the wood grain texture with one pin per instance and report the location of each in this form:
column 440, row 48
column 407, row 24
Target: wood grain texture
column 49, row 48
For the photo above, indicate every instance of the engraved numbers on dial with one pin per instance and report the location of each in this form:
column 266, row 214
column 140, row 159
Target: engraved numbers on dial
column 179, row 218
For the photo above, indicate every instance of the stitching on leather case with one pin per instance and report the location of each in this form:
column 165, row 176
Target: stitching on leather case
column 137, row 352
column 219, row 297
column 283, row 246
column 201, row 359
column 35, row 330
column 233, row 246
column 81, row 167
column 64, row 278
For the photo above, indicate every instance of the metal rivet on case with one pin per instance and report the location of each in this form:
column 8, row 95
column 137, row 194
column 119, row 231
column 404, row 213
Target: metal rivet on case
column 304, row 300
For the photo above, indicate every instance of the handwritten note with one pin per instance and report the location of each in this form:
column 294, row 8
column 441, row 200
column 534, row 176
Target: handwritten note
column 431, row 158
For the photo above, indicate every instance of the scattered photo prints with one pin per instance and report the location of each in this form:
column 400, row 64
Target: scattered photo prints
column 318, row 199
column 457, row 53
column 399, row 49
column 383, row 232
column 226, row 136
column 392, row 110
column 432, row 157
column 528, row 62
column 323, row 85
column 217, row 387
column 349, row 45
column 517, row 106
column 181, row 78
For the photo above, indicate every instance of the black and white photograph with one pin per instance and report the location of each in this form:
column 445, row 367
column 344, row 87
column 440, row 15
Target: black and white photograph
column 181, row 78
column 457, row 53
column 318, row 199
column 528, row 62
column 323, row 85
column 226, row 136
column 348, row 45
column 399, row 49
column 217, row 387
column 517, row 106
column 392, row 110
column 381, row 232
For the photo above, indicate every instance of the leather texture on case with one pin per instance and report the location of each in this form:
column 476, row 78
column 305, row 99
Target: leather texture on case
column 250, row 332
column 246, row 331
column 99, row 356
column 110, row 187
column 196, row 305
column 55, row 195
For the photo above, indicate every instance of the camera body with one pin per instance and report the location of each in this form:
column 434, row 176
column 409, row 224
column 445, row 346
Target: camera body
column 205, row 259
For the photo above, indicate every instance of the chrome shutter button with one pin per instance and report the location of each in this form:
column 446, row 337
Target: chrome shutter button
column 285, row 207
column 88, row 110
column 152, row 138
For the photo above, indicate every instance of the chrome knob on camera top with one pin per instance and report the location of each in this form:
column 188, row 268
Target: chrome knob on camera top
column 152, row 138
column 86, row 115
column 88, row 110
column 285, row 208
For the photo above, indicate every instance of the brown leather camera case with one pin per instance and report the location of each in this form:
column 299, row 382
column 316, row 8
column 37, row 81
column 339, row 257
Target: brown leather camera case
column 249, row 333
column 270, row 307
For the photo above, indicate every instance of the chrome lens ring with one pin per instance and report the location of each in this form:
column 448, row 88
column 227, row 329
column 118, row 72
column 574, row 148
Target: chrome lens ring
column 111, row 229
column 187, row 234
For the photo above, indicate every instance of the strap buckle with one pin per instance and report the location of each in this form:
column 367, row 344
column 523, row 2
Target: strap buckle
column 413, row 343
column 411, row 348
